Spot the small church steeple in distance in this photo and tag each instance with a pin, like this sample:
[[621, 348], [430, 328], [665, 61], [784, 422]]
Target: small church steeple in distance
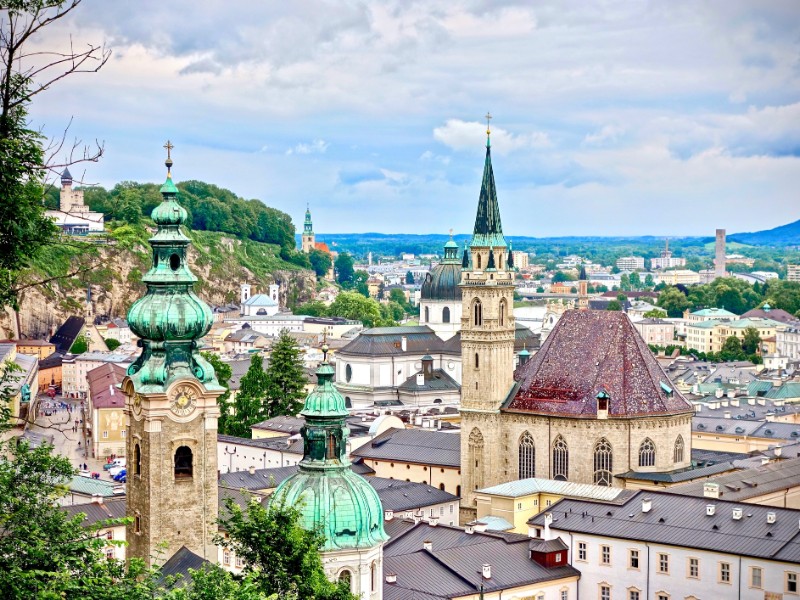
[[307, 243]]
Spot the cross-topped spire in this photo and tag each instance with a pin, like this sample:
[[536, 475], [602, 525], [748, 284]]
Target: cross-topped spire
[[488, 128], [168, 163]]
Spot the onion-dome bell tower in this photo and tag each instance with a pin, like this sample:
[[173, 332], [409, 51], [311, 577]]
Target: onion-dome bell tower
[[308, 239], [171, 403], [331, 497]]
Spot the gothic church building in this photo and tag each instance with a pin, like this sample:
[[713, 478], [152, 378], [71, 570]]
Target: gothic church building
[[592, 404]]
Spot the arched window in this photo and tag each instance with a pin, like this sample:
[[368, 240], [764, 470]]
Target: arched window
[[183, 462], [602, 462], [476, 456], [478, 260], [458, 491], [347, 577], [137, 460], [677, 454], [502, 310], [348, 373], [427, 314], [560, 459], [647, 453], [445, 315], [441, 487], [527, 456], [373, 577], [477, 312], [477, 363]]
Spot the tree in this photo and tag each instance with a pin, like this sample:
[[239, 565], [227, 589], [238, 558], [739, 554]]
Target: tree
[[344, 269], [673, 301], [320, 261], [359, 283], [80, 345], [561, 277], [614, 305], [29, 69], [784, 295], [352, 305], [224, 374], [751, 341], [280, 556], [112, 343], [409, 278], [540, 290], [625, 282], [212, 582], [249, 403], [391, 313], [649, 282], [286, 378], [731, 349], [635, 281], [312, 308], [655, 314]]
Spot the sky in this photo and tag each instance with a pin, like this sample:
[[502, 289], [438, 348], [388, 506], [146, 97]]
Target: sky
[[609, 117]]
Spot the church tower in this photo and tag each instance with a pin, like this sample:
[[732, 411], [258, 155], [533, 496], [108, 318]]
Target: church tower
[[487, 342], [332, 498], [583, 289], [307, 244], [171, 403]]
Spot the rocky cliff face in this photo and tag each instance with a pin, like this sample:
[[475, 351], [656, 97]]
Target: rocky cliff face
[[220, 263]]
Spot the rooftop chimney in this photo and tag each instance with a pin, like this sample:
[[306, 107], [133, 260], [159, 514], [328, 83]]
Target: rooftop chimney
[[97, 499], [778, 451], [710, 509], [771, 517], [727, 414], [404, 343], [251, 470], [420, 379], [391, 578], [548, 519], [647, 504], [388, 515], [737, 514], [433, 521], [487, 571], [711, 490], [427, 545]]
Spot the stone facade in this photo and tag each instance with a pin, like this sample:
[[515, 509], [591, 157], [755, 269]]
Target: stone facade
[[169, 504]]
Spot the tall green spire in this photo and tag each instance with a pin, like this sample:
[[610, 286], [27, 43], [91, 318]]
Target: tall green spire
[[169, 319], [488, 229], [328, 494], [307, 228]]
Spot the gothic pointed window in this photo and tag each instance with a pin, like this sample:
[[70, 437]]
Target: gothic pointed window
[[560, 459], [477, 360], [475, 446], [446, 315], [477, 312], [183, 462], [647, 453], [677, 455], [502, 311], [478, 260], [527, 456], [602, 462], [137, 460]]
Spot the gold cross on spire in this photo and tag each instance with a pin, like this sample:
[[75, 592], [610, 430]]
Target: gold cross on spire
[[168, 162], [451, 233], [488, 121]]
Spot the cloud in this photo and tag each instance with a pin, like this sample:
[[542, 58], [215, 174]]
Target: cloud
[[461, 135], [609, 133], [316, 147]]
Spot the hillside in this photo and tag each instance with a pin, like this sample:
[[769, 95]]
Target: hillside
[[113, 274], [784, 235]]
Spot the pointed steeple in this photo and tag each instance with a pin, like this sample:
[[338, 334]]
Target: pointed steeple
[[465, 257], [488, 229], [510, 261], [307, 228]]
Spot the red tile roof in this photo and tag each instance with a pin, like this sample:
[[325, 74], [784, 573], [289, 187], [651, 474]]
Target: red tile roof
[[103, 388], [589, 352], [322, 246]]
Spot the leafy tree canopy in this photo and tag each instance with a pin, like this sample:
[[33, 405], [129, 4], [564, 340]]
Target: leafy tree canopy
[[286, 378], [344, 268]]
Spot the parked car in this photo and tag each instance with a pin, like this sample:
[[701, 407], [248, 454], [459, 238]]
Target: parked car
[[120, 475], [117, 462], [123, 479], [114, 471]]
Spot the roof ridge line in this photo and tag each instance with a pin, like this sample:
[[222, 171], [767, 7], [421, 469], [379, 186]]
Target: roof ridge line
[[449, 568]]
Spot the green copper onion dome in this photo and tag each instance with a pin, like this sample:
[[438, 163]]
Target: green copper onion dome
[[328, 494], [169, 319]]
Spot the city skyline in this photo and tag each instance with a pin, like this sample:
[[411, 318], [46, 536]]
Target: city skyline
[[607, 118]]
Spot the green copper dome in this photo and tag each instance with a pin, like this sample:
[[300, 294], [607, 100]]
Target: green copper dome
[[169, 319], [441, 283], [325, 490]]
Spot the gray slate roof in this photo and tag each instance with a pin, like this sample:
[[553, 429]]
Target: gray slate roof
[[95, 512], [677, 520], [415, 446], [283, 443], [440, 381], [452, 568], [179, 565], [681, 475], [387, 341], [741, 485]]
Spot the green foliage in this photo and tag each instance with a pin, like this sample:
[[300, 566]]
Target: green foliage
[[625, 282], [614, 305], [561, 277], [80, 345], [352, 305], [344, 269], [280, 556], [655, 314], [112, 344], [212, 582], [409, 278], [751, 340], [672, 300], [729, 293], [635, 281], [314, 308], [359, 283], [649, 282], [731, 350], [224, 372], [248, 405], [286, 378], [784, 295], [320, 261]]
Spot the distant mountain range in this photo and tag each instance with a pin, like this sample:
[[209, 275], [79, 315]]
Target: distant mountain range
[[784, 235]]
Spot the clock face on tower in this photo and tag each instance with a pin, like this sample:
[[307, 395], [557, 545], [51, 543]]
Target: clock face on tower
[[183, 401]]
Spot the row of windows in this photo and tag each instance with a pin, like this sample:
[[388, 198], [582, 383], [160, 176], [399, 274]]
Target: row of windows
[[477, 313], [183, 467], [445, 314], [603, 456]]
